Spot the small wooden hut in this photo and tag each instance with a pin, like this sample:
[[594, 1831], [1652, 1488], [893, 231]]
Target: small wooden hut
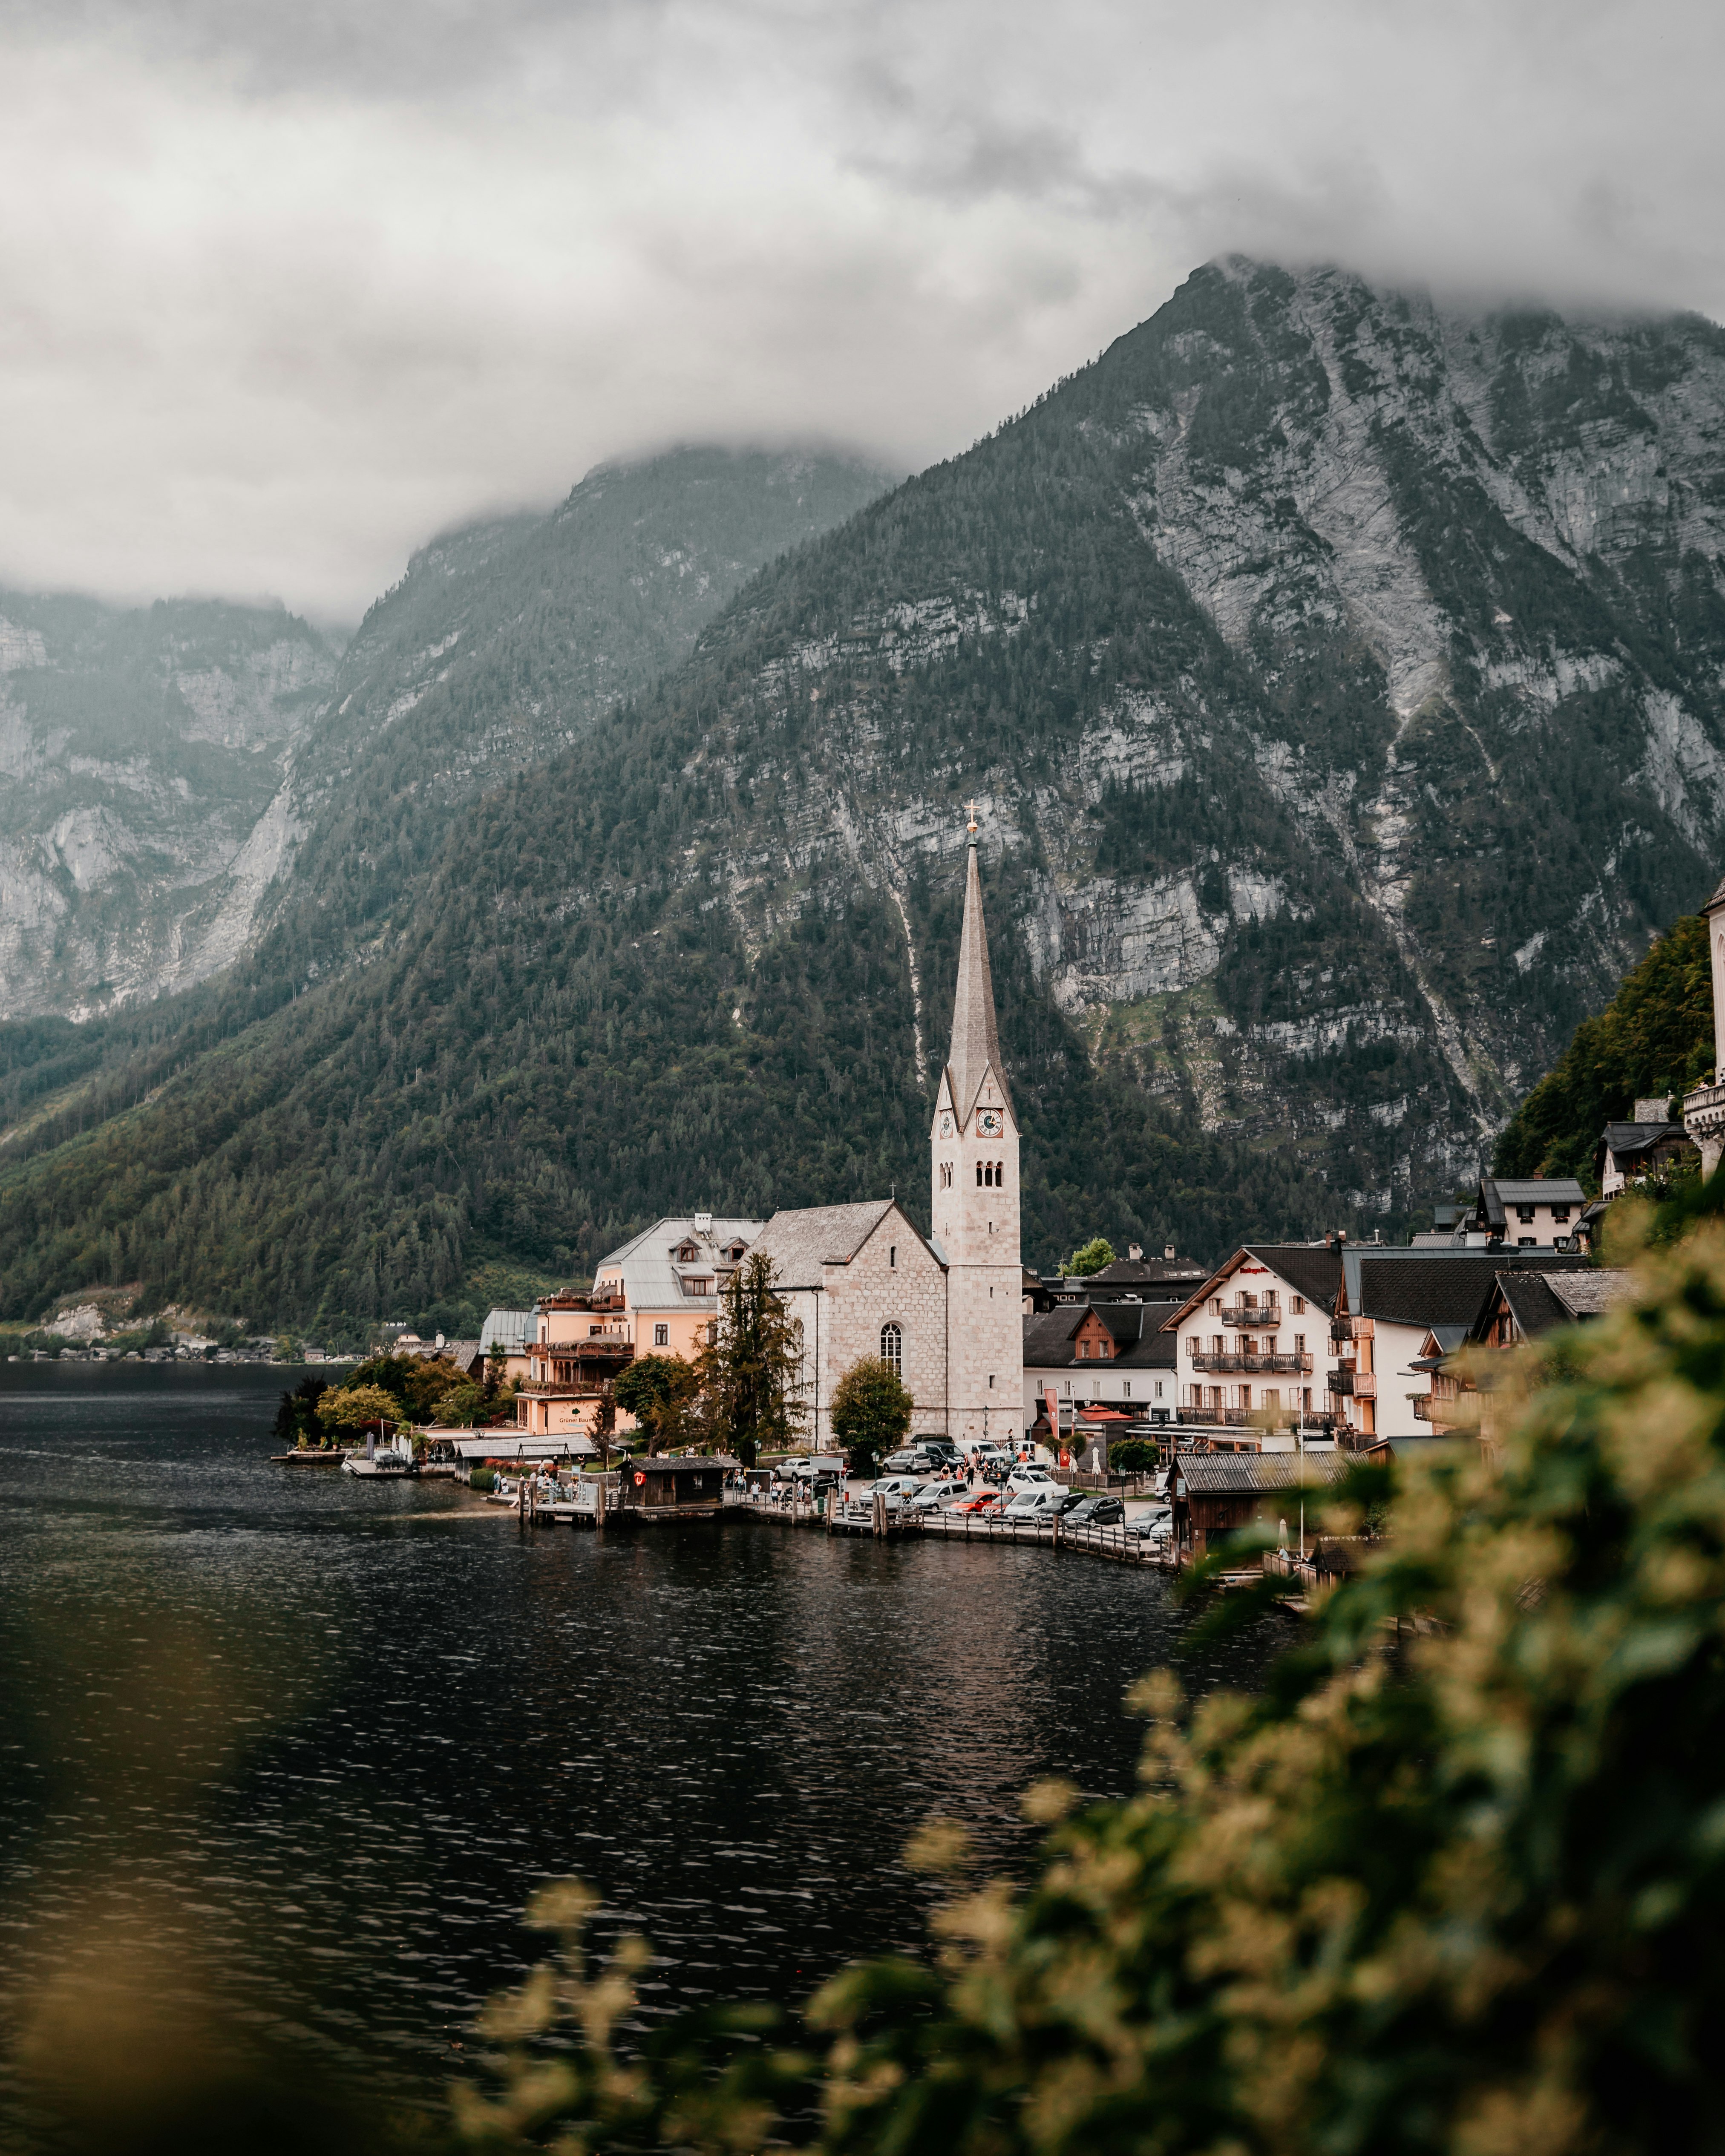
[[1213, 1494], [673, 1485]]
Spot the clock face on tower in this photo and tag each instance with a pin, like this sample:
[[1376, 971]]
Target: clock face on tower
[[946, 1126], [989, 1122]]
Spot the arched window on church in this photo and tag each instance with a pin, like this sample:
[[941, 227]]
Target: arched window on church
[[1000, 1175], [892, 1348], [978, 1175]]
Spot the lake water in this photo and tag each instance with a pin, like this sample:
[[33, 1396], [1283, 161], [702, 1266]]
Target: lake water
[[306, 1745]]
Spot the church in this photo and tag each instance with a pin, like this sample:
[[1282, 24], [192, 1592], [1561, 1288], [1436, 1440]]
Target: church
[[945, 1310]]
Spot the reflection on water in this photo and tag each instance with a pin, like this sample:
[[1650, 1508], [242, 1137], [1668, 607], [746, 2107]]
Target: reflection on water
[[306, 1745]]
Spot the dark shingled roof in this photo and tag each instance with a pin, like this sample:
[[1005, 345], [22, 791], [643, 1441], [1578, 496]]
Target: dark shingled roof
[[1627, 1139], [1235, 1474], [1532, 1304], [1135, 1328], [1150, 1272], [1313, 1270], [1445, 1289]]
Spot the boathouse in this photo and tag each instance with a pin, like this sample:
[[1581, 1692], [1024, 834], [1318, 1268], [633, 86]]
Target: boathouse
[[659, 1485], [1218, 1493]]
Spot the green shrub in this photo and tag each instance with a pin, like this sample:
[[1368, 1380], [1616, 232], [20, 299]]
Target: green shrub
[[483, 1478], [1133, 1455]]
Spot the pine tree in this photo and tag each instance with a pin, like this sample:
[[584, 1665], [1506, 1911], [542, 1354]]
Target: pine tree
[[749, 1371]]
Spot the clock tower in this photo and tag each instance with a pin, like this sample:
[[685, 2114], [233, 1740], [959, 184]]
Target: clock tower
[[974, 1159]]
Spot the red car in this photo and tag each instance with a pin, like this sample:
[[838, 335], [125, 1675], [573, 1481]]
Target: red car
[[985, 1500]]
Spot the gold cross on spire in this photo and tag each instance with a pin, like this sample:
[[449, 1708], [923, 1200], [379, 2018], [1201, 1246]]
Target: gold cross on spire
[[970, 811]]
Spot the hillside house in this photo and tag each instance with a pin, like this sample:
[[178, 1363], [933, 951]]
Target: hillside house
[[1651, 1145], [510, 1330], [1538, 1214]]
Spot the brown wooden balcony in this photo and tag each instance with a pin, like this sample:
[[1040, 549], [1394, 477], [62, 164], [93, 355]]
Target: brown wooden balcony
[[1265, 1316], [1343, 1329], [1353, 1384]]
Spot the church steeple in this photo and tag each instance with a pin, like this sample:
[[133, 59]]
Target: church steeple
[[976, 1040], [973, 1148]]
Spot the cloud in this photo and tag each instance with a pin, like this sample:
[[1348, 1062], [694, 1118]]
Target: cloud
[[289, 289]]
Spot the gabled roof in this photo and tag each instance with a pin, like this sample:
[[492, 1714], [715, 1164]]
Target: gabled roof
[[1627, 1139], [804, 1239], [1436, 1287], [1238, 1474], [512, 1328], [651, 1278], [1313, 1270], [1495, 1193], [1590, 1294], [1147, 1272], [1531, 1302], [1136, 1329], [975, 1039], [1539, 1300]]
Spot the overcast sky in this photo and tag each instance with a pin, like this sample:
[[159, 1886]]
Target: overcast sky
[[286, 288]]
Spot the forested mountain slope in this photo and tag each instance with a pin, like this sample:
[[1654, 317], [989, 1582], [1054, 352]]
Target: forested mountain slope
[[1340, 681], [143, 799], [504, 640], [1653, 1040]]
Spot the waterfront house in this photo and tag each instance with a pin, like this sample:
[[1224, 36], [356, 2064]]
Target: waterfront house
[[663, 1286], [1389, 1300], [580, 1345], [1114, 1355], [1215, 1494], [1255, 1348]]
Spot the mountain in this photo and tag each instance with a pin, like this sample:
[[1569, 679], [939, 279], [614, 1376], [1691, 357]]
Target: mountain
[[504, 640], [176, 774], [1339, 678], [144, 809]]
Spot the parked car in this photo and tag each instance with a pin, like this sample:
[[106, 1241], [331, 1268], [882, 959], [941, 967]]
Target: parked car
[[1026, 1478], [1154, 1525], [933, 1495], [1097, 1511], [813, 1468], [905, 1462], [1046, 1503], [939, 1452], [895, 1489], [984, 1500]]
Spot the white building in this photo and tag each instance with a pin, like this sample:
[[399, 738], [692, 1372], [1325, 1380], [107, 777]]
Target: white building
[[1254, 1340]]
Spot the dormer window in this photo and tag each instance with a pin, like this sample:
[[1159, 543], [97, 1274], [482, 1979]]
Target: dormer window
[[687, 1254]]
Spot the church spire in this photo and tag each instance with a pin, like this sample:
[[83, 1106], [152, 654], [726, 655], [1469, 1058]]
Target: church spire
[[976, 1042]]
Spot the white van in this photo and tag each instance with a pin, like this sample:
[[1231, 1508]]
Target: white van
[[986, 1451]]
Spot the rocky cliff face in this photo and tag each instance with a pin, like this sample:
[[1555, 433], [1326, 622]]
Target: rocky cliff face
[[171, 779], [1349, 681], [145, 808]]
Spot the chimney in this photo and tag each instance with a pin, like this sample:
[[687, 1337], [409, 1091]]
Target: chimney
[[1135, 1251], [1168, 1249], [703, 1225]]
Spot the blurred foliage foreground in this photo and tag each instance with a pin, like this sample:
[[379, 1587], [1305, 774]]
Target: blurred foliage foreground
[[1453, 1882]]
